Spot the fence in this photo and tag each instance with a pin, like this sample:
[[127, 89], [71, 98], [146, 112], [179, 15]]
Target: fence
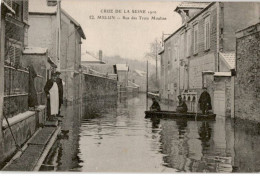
[[16, 88]]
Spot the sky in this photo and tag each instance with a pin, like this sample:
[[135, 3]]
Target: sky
[[127, 38]]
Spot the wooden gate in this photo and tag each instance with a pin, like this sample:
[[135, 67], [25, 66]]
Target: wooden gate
[[219, 103]]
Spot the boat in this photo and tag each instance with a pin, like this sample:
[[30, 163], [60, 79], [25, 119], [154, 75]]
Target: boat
[[183, 116]]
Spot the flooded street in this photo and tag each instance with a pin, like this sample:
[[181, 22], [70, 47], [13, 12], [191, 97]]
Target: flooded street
[[112, 135]]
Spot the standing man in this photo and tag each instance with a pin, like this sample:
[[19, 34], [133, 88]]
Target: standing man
[[205, 101], [52, 93], [60, 87]]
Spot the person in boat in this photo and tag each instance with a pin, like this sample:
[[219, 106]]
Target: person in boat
[[52, 93], [155, 106], [182, 107], [205, 101]]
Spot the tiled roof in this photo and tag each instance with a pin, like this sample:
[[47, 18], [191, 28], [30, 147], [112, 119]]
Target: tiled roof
[[193, 5], [229, 58]]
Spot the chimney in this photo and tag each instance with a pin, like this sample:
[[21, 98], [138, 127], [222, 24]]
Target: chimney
[[100, 55]]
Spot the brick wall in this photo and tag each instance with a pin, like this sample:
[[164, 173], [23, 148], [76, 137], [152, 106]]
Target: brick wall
[[247, 81]]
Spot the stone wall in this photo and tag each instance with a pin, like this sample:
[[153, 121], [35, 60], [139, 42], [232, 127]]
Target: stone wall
[[94, 87], [247, 80], [23, 127]]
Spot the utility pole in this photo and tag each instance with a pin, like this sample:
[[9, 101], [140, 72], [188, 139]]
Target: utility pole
[[59, 33], [156, 60], [147, 86]]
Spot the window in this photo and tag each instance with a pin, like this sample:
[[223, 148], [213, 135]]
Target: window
[[182, 47], [195, 38], [25, 10], [188, 48], [207, 33], [16, 6], [170, 56], [13, 53]]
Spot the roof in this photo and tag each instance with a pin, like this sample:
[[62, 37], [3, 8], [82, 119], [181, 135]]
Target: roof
[[161, 52], [222, 74], [40, 7], [130, 83], [122, 67], [229, 58], [80, 30], [87, 57], [35, 50], [192, 5], [195, 16], [102, 68], [140, 73]]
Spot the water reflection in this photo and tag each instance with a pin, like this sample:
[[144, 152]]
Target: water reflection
[[112, 135]]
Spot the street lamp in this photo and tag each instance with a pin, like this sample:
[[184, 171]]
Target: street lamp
[[58, 33]]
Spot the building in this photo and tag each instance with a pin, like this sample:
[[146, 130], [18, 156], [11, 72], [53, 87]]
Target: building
[[203, 46], [247, 80], [90, 59], [138, 77], [43, 23], [14, 78], [122, 73]]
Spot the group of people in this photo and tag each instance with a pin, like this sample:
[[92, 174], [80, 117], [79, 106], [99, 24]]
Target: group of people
[[54, 93], [204, 102]]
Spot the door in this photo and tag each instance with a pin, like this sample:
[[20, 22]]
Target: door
[[219, 103]]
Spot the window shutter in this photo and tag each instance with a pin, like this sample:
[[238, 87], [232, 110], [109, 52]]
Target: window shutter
[[9, 2], [25, 11], [11, 54], [17, 55]]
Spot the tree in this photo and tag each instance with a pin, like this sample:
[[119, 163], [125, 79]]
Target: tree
[[155, 48]]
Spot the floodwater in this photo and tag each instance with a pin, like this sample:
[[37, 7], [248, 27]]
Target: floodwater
[[112, 135]]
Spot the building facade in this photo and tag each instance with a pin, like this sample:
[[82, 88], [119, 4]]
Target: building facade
[[43, 23], [14, 77], [201, 47]]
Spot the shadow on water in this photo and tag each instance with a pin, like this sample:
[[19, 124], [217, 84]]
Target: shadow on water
[[112, 135]]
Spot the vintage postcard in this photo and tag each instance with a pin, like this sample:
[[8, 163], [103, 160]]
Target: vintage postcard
[[129, 86]]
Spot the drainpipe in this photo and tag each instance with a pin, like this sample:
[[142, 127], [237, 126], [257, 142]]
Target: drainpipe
[[218, 36]]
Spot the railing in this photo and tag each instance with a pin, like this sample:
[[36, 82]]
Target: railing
[[16, 86]]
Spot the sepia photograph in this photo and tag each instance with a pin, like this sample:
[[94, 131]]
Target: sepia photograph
[[129, 86]]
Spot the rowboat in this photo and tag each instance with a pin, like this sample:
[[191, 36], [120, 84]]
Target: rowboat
[[183, 116]]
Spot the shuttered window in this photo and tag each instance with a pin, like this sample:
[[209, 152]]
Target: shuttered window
[[188, 48], [9, 2], [182, 47], [25, 11], [207, 33], [14, 54], [195, 38]]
